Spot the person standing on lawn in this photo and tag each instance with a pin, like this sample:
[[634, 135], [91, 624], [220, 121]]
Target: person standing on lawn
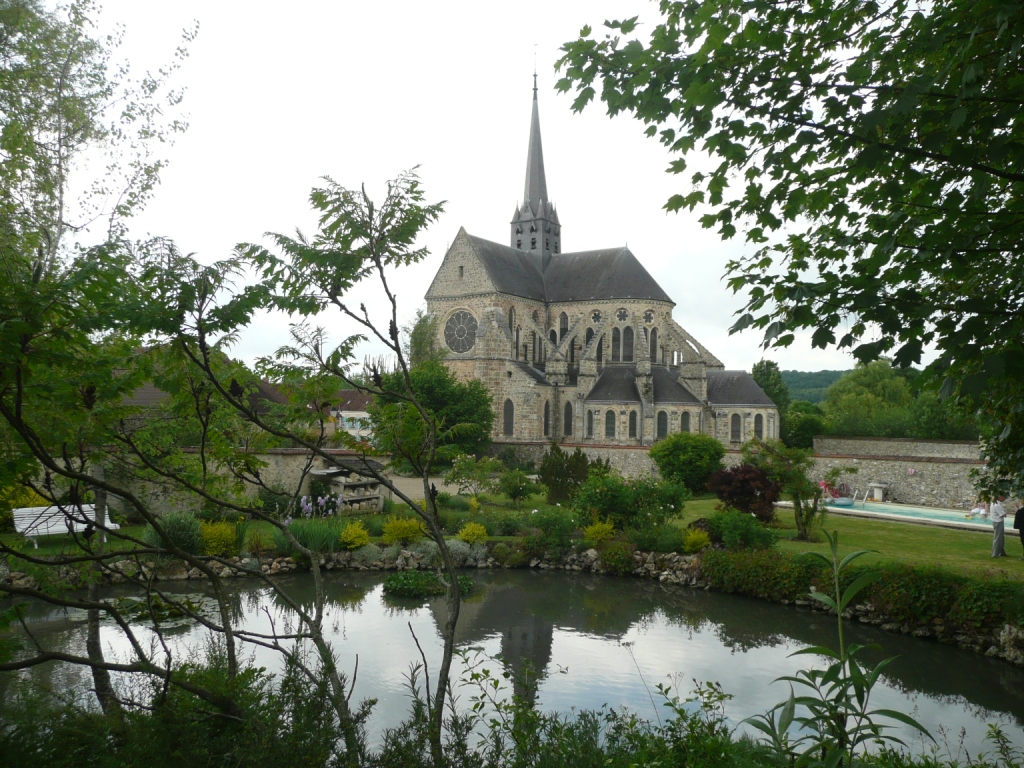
[[1018, 522], [997, 514]]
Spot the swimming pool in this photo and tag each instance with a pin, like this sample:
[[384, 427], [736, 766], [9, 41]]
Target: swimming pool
[[909, 513]]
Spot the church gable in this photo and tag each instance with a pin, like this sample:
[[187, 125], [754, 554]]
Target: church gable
[[462, 273]]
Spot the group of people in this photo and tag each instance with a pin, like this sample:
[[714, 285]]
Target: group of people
[[996, 513]]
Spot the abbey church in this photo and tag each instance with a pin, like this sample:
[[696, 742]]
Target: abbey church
[[581, 347]]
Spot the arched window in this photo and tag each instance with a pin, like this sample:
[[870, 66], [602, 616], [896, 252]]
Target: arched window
[[567, 420], [590, 423], [533, 345], [627, 345], [632, 423], [563, 325], [572, 351], [662, 424], [684, 423], [511, 318], [517, 343], [547, 418], [654, 345], [589, 337], [509, 417], [600, 350], [736, 433], [616, 342], [554, 337], [759, 427], [609, 424]]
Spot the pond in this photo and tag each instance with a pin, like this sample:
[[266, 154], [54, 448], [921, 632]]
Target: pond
[[596, 640]]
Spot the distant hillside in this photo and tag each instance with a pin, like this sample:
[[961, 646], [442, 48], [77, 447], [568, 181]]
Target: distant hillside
[[810, 385]]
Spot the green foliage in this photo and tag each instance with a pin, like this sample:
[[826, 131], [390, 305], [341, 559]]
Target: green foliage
[[802, 427], [555, 526], [689, 458], [635, 503], [768, 376], [739, 530], [402, 530], [472, 533], [563, 473], [657, 538], [510, 460], [616, 557], [501, 553], [765, 573], [219, 539], [16, 496], [599, 531], [316, 534], [420, 343], [420, 584], [473, 476], [354, 535], [462, 412], [897, 198], [387, 507], [457, 503], [183, 530], [695, 540], [516, 485], [809, 386], [747, 489]]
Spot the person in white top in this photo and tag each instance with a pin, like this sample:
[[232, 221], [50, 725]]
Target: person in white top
[[997, 514]]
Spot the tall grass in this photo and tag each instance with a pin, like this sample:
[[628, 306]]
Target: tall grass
[[317, 534]]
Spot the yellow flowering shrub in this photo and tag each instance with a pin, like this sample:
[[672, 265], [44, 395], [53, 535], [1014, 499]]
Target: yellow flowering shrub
[[599, 531], [695, 540], [402, 530], [218, 539]]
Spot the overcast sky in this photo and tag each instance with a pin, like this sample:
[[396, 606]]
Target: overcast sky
[[281, 94]]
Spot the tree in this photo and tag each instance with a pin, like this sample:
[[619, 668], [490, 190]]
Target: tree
[[517, 485], [473, 476], [769, 378], [870, 153], [462, 412], [688, 458], [746, 489], [805, 420], [563, 473], [421, 339]]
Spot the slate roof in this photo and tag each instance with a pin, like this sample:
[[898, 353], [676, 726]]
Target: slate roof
[[616, 384], [609, 273], [534, 374], [353, 400], [735, 388], [668, 390]]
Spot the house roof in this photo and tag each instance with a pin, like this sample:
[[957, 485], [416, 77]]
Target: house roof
[[735, 388], [353, 400], [668, 390], [608, 273]]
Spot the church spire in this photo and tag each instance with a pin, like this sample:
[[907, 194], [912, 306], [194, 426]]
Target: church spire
[[535, 226], [536, 191]]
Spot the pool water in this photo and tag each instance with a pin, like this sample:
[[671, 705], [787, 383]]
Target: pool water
[[934, 514]]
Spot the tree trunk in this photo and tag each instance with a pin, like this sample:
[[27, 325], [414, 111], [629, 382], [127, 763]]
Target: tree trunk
[[108, 700]]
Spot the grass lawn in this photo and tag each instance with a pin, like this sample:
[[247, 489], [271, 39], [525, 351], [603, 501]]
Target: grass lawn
[[963, 552]]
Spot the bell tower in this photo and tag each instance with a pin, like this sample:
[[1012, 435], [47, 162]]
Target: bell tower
[[535, 227]]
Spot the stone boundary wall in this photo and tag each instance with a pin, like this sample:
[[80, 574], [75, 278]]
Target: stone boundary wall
[[890, 447], [919, 472]]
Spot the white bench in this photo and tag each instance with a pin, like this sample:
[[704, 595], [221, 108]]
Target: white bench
[[33, 522]]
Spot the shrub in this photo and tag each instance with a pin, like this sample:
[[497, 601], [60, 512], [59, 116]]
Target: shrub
[[472, 476], [517, 485], [354, 535], [387, 506], [508, 524], [430, 551], [473, 533], [457, 503], [597, 532], [273, 502], [374, 525], [474, 505], [695, 540], [629, 504], [739, 531], [420, 584], [367, 555], [182, 528], [501, 552], [219, 539], [617, 557], [747, 489], [689, 458], [761, 573], [404, 530], [658, 538], [510, 460], [15, 497], [517, 558], [563, 473]]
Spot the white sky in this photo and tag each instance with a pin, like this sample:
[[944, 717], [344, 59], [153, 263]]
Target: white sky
[[281, 94]]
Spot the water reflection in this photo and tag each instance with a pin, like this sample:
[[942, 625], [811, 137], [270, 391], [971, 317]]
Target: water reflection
[[577, 623]]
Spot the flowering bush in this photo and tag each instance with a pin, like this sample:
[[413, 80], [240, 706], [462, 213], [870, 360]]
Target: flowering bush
[[473, 533], [402, 530], [640, 502], [219, 539], [695, 540], [354, 535], [319, 506]]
